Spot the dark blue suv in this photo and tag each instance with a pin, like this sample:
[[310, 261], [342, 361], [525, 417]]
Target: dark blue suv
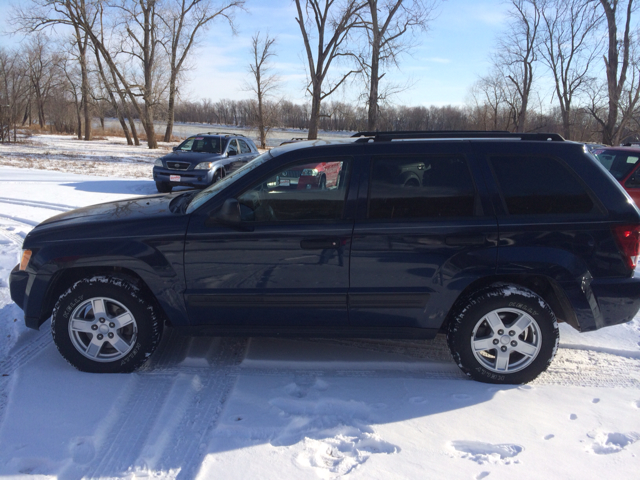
[[489, 237], [202, 160]]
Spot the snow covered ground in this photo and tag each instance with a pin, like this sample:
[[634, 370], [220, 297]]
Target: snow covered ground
[[238, 408]]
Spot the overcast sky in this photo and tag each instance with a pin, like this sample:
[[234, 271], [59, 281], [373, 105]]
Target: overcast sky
[[440, 70]]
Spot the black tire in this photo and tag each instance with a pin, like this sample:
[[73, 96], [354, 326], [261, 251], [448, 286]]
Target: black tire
[[486, 339], [412, 182], [122, 303], [164, 187], [216, 177]]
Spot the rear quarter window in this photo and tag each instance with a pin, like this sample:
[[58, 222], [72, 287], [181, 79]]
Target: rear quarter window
[[538, 185]]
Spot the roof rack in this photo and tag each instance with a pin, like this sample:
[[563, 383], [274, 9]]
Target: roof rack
[[293, 140], [226, 134], [388, 136]]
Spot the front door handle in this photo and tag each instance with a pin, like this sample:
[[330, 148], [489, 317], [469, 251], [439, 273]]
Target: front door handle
[[319, 243], [465, 240]]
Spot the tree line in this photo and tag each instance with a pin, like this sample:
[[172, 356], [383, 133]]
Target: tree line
[[129, 58]]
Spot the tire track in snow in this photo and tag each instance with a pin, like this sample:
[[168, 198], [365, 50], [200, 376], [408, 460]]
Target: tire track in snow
[[21, 222], [34, 203], [12, 237], [167, 418], [17, 358]]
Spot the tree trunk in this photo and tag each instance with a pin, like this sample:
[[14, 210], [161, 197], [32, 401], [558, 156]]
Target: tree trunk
[[79, 119], [372, 118], [171, 112], [85, 94], [315, 114]]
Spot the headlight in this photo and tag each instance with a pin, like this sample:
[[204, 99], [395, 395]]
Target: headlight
[[158, 163], [26, 256], [309, 172], [204, 166]]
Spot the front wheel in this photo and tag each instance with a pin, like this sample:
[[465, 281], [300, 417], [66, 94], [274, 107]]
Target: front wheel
[[104, 324], [503, 334]]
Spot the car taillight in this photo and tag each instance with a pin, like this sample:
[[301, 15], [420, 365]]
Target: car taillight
[[628, 238]]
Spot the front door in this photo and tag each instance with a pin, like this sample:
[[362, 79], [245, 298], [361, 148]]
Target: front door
[[287, 265]]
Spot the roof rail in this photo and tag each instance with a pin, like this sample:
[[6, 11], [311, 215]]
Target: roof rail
[[227, 134], [388, 136]]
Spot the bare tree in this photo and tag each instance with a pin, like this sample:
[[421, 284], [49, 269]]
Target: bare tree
[[568, 47], [332, 21], [43, 73], [386, 23], [40, 14], [616, 69], [490, 95], [264, 83], [185, 20], [517, 55], [14, 90]]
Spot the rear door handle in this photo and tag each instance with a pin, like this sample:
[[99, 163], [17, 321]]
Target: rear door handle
[[319, 243], [465, 240]]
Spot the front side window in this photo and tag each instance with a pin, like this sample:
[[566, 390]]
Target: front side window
[[232, 149], [619, 164], [425, 186], [539, 185], [305, 190]]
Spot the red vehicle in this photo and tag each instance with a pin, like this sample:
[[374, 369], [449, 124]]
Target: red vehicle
[[320, 175], [624, 165]]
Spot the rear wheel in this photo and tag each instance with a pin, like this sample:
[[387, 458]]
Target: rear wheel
[[164, 187], [104, 324], [504, 334]]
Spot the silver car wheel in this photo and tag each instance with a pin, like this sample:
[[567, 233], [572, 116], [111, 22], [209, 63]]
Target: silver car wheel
[[506, 340], [102, 329]]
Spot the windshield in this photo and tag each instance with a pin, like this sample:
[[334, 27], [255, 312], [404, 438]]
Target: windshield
[[618, 163], [212, 191], [201, 145]]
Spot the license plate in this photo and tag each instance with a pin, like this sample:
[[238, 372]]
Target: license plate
[[285, 183], [174, 178]]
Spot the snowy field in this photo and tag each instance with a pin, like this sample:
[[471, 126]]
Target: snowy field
[[245, 408]]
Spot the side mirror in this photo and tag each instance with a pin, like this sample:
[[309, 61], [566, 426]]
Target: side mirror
[[229, 214], [231, 153], [175, 148]]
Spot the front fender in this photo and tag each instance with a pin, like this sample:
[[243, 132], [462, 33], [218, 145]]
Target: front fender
[[157, 262]]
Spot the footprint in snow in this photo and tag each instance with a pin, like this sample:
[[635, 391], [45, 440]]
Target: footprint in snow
[[549, 437], [461, 396], [483, 453], [595, 400], [302, 384], [637, 404], [573, 416], [418, 400], [482, 475], [607, 443], [82, 450]]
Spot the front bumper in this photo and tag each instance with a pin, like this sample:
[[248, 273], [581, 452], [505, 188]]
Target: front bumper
[[190, 178], [18, 285]]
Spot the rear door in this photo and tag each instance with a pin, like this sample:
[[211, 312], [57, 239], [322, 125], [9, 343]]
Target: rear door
[[424, 230]]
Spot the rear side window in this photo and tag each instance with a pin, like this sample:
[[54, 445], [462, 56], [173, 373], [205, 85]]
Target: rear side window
[[244, 148], [421, 187], [533, 185]]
